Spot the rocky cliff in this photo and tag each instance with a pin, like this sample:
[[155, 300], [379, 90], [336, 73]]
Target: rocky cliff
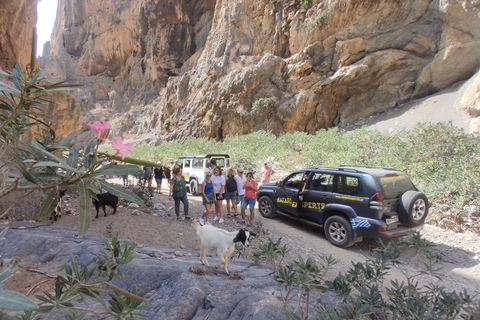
[[172, 69], [17, 20]]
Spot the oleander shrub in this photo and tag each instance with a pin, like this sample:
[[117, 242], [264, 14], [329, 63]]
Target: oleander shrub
[[368, 290]]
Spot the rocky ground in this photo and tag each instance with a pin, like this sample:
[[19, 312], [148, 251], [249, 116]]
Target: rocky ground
[[158, 227]]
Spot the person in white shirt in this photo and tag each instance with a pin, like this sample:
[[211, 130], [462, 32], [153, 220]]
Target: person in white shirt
[[219, 189], [240, 178]]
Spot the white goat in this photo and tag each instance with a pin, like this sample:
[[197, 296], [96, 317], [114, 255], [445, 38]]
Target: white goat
[[222, 240]]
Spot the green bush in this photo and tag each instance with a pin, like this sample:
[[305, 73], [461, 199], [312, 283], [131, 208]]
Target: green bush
[[367, 290], [261, 104], [306, 4], [166, 124]]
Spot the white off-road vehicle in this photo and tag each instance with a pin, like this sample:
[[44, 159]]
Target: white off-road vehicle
[[195, 166]]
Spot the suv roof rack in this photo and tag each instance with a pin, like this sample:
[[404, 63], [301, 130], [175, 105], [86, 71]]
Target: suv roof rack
[[367, 167], [209, 155]]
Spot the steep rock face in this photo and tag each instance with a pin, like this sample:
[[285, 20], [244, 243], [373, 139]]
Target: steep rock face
[[225, 68], [127, 47], [17, 20]]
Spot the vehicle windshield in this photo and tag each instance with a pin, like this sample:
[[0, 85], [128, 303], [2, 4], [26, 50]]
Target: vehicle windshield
[[394, 186]]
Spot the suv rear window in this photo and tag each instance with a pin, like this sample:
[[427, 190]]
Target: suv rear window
[[395, 185]]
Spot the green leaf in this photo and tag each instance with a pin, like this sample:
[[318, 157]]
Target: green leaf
[[35, 146], [84, 204], [5, 106], [61, 86], [8, 270], [24, 172], [91, 147], [12, 300], [121, 192], [73, 157], [50, 204], [118, 170], [17, 76], [49, 177], [2, 233], [55, 165]]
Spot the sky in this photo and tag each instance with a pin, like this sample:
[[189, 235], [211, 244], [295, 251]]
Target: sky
[[46, 12]]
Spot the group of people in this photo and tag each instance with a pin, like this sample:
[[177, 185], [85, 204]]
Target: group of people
[[236, 189]]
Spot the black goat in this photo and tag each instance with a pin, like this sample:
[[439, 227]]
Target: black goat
[[57, 212], [105, 199]]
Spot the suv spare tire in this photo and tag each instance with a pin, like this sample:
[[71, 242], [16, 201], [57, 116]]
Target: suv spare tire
[[413, 208], [266, 207]]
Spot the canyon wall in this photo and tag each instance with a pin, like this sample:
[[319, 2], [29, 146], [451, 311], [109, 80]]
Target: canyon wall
[[17, 20], [174, 69]]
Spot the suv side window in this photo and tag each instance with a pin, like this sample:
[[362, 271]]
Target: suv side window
[[186, 163], [220, 162], [348, 185], [198, 163], [321, 182], [296, 181]]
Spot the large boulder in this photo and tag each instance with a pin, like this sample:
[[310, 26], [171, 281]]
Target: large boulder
[[176, 285]]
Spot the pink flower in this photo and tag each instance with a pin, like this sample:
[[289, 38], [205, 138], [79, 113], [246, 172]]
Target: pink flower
[[99, 127], [123, 149]]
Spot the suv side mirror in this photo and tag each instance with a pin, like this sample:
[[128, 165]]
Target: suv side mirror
[[278, 183]]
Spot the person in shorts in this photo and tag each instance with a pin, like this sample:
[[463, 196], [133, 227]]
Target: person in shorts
[[251, 187], [240, 178], [219, 189], [231, 192], [208, 197]]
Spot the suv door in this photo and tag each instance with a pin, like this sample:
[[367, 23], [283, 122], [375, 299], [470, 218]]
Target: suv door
[[287, 194], [186, 169], [221, 162], [317, 194]]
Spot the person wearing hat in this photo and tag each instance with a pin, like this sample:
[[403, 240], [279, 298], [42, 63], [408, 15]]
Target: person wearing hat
[[266, 173]]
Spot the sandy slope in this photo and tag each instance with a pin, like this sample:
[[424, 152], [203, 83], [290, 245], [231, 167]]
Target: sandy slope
[[443, 106]]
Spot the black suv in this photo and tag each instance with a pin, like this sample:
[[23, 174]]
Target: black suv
[[349, 202]]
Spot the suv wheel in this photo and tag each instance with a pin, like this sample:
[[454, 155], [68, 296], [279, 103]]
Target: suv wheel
[[413, 208], [266, 207], [339, 232], [193, 187]]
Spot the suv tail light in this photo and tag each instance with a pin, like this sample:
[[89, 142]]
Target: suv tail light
[[376, 202]]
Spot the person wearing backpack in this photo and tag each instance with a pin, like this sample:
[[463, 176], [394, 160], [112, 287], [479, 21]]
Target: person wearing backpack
[[231, 191]]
